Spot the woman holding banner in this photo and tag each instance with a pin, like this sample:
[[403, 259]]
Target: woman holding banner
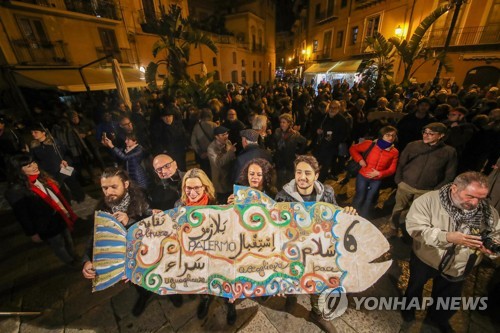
[[198, 190]]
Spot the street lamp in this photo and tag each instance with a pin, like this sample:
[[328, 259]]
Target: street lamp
[[399, 31]]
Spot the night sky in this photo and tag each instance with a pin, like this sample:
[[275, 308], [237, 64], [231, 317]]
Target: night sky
[[284, 14]]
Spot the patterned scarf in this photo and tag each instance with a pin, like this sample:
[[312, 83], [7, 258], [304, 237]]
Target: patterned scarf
[[469, 222], [122, 206]]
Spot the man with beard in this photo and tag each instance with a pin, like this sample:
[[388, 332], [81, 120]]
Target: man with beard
[[128, 205], [448, 226], [305, 188]]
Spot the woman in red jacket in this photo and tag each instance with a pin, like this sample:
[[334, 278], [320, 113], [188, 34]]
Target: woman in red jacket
[[380, 163]]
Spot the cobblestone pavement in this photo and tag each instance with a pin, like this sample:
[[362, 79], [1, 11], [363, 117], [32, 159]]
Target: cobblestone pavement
[[32, 279]]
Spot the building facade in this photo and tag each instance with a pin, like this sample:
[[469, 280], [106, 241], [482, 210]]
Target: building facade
[[336, 31], [68, 45]]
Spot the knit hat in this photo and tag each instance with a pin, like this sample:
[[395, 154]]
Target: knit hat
[[437, 127], [250, 135]]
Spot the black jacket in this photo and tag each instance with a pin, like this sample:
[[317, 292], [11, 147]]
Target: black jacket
[[34, 214]]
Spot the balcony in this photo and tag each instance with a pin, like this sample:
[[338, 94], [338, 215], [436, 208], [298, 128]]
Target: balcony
[[325, 17], [362, 4], [124, 56], [101, 8], [467, 36], [148, 20], [40, 53]]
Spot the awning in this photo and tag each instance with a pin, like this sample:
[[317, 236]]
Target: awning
[[71, 80], [321, 67], [481, 56], [345, 66]]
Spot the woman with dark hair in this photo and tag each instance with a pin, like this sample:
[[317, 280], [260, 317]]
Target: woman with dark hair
[[131, 156], [379, 163], [258, 174], [38, 204]]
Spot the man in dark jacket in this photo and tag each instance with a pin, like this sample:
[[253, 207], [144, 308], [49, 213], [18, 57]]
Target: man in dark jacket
[[410, 126], [333, 131], [251, 150], [169, 137], [167, 189], [424, 165]]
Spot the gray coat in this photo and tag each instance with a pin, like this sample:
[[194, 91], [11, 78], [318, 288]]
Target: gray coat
[[221, 165]]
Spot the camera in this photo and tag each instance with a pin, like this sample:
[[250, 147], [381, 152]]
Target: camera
[[489, 242]]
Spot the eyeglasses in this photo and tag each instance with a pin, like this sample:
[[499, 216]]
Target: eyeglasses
[[429, 133], [197, 189], [165, 166]]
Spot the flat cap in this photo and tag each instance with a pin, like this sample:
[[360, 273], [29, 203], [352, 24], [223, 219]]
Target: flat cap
[[250, 135], [437, 127], [220, 130]]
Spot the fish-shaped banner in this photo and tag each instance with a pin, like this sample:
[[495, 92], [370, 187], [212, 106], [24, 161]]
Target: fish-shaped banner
[[255, 247]]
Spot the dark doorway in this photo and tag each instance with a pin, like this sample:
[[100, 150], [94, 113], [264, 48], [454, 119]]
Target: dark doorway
[[482, 76]]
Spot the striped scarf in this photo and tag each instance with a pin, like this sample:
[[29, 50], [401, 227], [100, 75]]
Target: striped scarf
[[470, 222]]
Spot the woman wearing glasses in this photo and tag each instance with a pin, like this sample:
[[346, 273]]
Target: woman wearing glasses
[[378, 159], [198, 190]]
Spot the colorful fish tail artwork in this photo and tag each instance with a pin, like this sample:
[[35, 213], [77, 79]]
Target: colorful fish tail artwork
[[255, 247]]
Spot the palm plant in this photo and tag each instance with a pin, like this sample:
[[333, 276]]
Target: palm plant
[[411, 50], [176, 38], [383, 60]]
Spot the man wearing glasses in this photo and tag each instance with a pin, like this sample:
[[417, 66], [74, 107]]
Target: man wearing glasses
[[167, 188], [127, 127], [424, 165]]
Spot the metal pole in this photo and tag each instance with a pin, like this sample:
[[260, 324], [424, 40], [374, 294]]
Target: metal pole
[[458, 4], [84, 80]]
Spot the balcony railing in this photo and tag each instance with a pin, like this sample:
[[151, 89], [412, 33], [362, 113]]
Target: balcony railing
[[325, 17], [37, 52], [466, 36], [361, 4], [123, 56], [97, 8]]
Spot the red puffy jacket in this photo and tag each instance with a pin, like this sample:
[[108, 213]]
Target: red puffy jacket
[[382, 160]]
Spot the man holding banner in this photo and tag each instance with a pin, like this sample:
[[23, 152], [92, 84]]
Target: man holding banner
[[128, 205], [306, 187]]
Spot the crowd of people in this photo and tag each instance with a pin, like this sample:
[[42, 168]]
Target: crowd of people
[[282, 139]]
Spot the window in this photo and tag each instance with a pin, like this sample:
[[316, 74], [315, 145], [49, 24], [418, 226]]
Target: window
[[109, 43], [317, 12], [343, 3], [235, 61], [340, 38], [354, 35], [372, 25], [214, 61], [243, 63], [33, 31], [329, 8], [234, 76], [254, 77], [260, 76], [243, 76], [217, 76], [315, 45], [327, 42]]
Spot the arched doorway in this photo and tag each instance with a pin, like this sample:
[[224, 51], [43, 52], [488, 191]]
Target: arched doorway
[[482, 76]]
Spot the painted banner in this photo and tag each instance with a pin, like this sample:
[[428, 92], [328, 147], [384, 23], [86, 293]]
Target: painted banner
[[255, 247]]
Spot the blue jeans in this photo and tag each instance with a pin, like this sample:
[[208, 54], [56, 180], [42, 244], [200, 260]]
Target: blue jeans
[[366, 190]]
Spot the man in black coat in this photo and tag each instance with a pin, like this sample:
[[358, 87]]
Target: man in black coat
[[333, 130], [251, 150]]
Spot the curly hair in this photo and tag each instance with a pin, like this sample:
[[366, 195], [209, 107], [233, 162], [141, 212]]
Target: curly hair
[[268, 175], [207, 183]]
